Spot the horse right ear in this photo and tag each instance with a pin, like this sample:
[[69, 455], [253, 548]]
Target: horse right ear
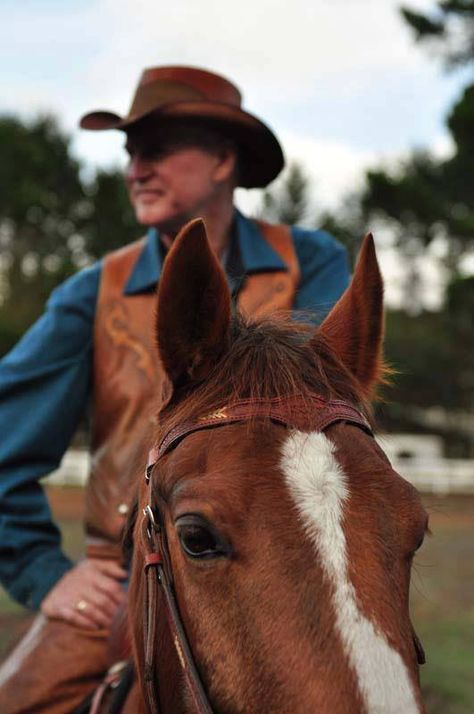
[[194, 308], [354, 327]]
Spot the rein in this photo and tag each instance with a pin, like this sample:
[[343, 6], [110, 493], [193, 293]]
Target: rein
[[314, 414]]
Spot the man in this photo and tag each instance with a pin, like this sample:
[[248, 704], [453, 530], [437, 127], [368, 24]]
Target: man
[[190, 144]]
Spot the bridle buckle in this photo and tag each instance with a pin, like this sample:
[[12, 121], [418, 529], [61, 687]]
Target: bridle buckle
[[152, 524]]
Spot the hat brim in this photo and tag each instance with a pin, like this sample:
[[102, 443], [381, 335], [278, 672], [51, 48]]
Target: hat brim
[[260, 153]]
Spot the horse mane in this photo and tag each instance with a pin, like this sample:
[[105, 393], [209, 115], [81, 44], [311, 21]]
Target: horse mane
[[269, 357]]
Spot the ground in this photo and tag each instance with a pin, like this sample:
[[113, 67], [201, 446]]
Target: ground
[[442, 596]]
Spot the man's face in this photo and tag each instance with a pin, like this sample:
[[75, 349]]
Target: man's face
[[171, 178]]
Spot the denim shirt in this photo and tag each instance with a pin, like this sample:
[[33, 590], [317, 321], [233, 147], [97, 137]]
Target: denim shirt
[[46, 383]]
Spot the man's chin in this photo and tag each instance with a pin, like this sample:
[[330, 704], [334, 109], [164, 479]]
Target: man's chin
[[165, 223]]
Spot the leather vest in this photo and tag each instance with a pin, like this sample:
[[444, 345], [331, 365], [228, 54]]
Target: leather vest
[[127, 379]]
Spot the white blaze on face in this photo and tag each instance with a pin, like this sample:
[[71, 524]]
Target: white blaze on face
[[318, 487]]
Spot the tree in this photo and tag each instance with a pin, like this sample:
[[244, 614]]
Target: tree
[[51, 221], [427, 192], [111, 221], [449, 29], [288, 201], [427, 198], [432, 356], [40, 201], [347, 223]]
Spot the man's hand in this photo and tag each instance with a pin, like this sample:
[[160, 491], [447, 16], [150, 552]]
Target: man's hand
[[89, 595]]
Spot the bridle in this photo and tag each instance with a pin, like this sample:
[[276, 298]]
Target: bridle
[[310, 415]]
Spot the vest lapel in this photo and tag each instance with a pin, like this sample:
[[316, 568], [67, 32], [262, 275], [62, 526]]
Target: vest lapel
[[264, 293]]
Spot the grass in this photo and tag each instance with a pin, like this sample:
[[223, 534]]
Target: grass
[[443, 606], [442, 597], [448, 676]]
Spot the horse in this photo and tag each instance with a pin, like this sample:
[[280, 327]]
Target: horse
[[274, 541]]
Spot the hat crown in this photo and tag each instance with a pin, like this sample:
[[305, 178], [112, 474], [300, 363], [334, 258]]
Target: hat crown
[[189, 83]]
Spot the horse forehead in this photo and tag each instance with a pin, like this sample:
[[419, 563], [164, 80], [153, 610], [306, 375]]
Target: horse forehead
[[226, 452], [368, 470], [348, 467]]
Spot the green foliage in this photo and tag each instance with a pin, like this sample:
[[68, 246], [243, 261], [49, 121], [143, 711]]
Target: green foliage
[[422, 25], [428, 198], [347, 224], [411, 344], [111, 222], [424, 200], [51, 221], [37, 174], [449, 29], [432, 356], [288, 202]]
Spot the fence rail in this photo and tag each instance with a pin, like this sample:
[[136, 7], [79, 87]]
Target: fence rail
[[440, 476], [431, 475]]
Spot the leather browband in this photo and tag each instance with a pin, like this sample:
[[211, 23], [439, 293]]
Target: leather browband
[[309, 414]]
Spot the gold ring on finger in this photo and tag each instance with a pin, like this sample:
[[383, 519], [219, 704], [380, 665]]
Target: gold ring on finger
[[81, 605]]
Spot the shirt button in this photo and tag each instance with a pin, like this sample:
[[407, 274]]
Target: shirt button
[[122, 508]]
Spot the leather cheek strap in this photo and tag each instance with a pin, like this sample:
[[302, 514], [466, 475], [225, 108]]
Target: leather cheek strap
[[158, 574]]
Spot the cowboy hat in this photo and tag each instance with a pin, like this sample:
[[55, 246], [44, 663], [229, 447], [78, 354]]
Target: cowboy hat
[[191, 93]]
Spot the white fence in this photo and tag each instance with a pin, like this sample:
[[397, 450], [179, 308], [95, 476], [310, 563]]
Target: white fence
[[418, 458], [429, 473], [73, 471], [440, 476]]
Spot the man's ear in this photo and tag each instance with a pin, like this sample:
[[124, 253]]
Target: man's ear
[[354, 327], [194, 308], [227, 166]]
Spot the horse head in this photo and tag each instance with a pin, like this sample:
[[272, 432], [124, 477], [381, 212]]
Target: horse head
[[290, 540]]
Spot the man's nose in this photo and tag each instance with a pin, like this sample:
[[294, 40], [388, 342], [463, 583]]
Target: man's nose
[[138, 169]]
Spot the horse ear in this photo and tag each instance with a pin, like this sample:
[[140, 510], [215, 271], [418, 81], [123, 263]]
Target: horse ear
[[194, 307], [354, 327]]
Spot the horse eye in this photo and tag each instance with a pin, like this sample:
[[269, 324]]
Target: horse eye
[[199, 540], [420, 543], [422, 535]]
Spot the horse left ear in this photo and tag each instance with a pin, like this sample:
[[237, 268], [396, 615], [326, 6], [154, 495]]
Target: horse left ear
[[194, 307], [354, 327]]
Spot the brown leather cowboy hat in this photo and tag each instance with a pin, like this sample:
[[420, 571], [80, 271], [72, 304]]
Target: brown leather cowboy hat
[[188, 92]]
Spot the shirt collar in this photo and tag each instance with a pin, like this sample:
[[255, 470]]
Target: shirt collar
[[147, 270], [256, 256]]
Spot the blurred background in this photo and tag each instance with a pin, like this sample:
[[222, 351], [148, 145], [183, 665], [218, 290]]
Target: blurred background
[[374, 105]]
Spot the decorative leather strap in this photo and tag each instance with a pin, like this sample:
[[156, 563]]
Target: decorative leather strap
[[314, 414]]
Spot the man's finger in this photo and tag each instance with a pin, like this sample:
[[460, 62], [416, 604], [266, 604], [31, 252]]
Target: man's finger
[[111, 589], [112, 569], [104, 601], [80, 619]]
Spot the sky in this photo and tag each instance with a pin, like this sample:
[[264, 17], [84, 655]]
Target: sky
[[340, 81]]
